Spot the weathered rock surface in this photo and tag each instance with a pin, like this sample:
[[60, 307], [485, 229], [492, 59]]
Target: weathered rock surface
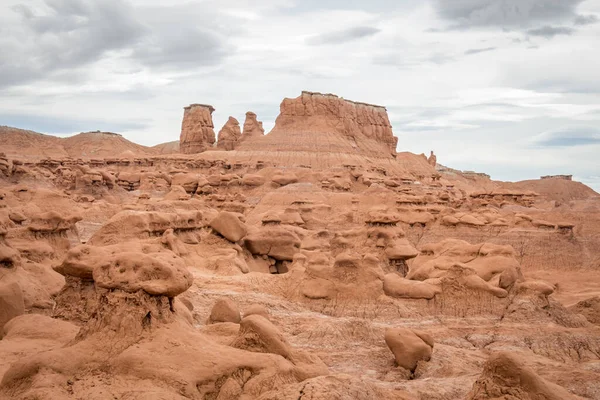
[[229, 135], [252, 126], [197, 129], [505, 377], [229, 225], [316, 122], [409, 346]]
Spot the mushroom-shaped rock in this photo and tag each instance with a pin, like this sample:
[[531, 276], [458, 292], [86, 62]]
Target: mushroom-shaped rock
[[401, 249], [52, 222], [159, 274], [229, 226], [396, 286], [224, 310], [409, 346], [81, 260], [382, 217], [11, 302], [271, 218], [506, 377], [273, 241], [259, 335]]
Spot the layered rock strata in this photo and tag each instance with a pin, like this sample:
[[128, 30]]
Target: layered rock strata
[[326, 123], [197, 129]]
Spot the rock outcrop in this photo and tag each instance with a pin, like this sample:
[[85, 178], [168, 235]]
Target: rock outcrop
[[229, 134], [252, 126], [409, 346], [326, 123], [197, 129]]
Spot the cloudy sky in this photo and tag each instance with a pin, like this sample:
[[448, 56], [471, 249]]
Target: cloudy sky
[[507, 87]]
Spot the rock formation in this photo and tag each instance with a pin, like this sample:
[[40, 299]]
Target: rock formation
[[315, 122], [506, 377], [252, 127], [432, 160], [229, 135], [197, 129], [308, 263]]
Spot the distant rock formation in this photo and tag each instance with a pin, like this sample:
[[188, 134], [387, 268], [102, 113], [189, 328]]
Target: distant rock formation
[[563, 177], [197, 129], [229, 135], [326, 123], [432, 160], [252, 127]]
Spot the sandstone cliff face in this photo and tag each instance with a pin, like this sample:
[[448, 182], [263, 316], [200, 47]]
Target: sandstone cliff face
[[197, 129], [252, 127], [326, 123], [229, 135]]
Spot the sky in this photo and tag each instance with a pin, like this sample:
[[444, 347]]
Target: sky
[[506, 87]]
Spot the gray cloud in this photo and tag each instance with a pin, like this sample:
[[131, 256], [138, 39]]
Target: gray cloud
[[180, 48], [342, 36], [549, 32], [183, 36], [586, 19], [505, 13], [70, 33], [567, 137], [67, 35], [476, 51]]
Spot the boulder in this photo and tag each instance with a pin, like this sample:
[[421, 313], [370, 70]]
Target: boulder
[[258, 334], [188, 181], [273, 241], [409, 346], [396, 286], [229, 226], [224, 310]]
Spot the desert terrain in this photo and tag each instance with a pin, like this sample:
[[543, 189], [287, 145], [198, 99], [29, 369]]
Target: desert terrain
[[315, 261]]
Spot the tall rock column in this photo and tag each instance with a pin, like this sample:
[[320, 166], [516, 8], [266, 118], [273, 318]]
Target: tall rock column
[[252, 126], [197, 129]]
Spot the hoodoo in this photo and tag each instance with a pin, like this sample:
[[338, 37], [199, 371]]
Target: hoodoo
[[197, 129], [229, 135], [252, 126], [326, 123]]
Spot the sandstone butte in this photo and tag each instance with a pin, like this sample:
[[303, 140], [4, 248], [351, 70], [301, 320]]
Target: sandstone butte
[[312, 262]]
